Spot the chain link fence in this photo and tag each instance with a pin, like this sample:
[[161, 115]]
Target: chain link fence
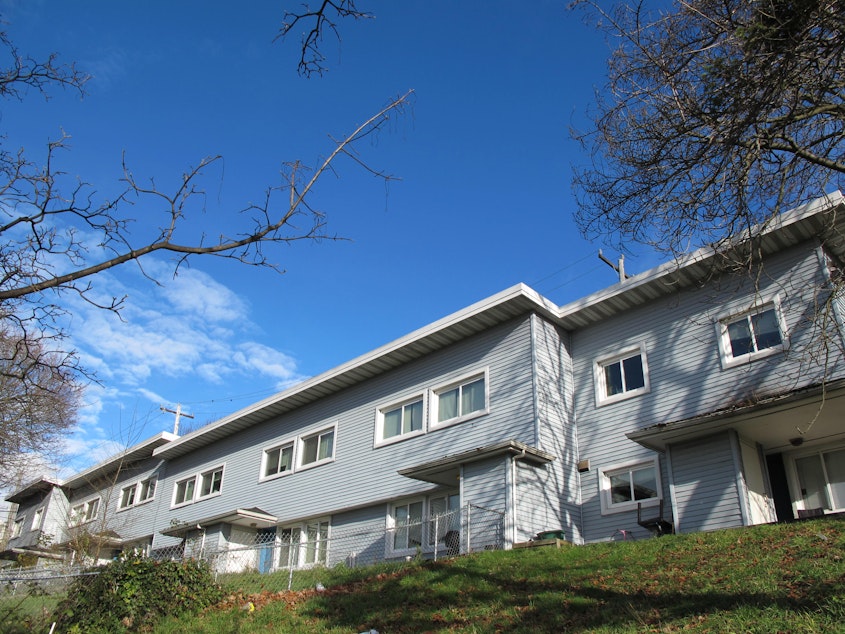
[[278, 560]]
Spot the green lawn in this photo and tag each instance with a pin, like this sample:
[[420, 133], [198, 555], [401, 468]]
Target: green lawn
[[784, 578]]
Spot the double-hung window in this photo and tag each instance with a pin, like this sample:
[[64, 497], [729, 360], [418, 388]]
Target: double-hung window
[[457, 401], [277, 460], [621, 376], [624, 487], [317, 448], [85, 512], [751, 335], [211, 482], [137, 493], [404, 419]]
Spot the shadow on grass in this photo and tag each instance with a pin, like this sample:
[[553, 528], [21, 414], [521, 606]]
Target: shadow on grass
[[439, 596]]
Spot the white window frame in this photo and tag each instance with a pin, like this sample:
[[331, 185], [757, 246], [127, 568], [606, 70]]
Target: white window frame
[[85, 512], [380, 440], [602, 397], [188, 500], [319, 461], [262, 475], [136, 490], [459, 382], [725, 351], [37, 519], [203, 477], [17, 527], [608, 507], [794, 481], [426, 522], [321, 546]]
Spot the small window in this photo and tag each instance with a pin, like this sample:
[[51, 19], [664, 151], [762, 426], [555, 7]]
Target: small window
[[407, 522], [36, 519], [400, 420], [211, 482], [127, 497], [461, 400], [318, 447], [184, 492], [84, 512], [622, 376], [17, 528], [752, 335], [277, 460], [624, 487], [147, 489]]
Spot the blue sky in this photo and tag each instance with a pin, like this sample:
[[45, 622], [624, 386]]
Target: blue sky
[[484, 201]]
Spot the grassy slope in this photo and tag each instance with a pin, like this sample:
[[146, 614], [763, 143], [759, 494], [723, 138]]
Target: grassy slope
[[784, 578]]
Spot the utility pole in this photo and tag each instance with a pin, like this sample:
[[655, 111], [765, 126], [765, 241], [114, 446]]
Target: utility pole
[[179, 413]]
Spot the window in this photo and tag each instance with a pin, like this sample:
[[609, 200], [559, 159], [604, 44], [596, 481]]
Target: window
[[184, 492], [304, 545], [277, 460], [137, 493], [85, 512], [444, 516], [421, 523], [622, 376], [17, 528], [624, 487], [211, 482], [752, 335], [400, 420], [461, 400], [821, 480], [407, 525], [36, 519], [318, 447]]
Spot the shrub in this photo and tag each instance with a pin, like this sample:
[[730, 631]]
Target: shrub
[[131, 593]]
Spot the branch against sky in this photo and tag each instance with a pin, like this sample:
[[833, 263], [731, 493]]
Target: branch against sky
[[323, 19], [717, 115]]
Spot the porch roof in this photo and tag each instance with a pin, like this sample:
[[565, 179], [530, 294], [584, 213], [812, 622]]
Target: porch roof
[[446, 470], [783, 421], [254, 517]]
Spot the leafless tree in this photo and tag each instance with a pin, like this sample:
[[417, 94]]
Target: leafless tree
[[718, 114], [317, 22], [56, 235]]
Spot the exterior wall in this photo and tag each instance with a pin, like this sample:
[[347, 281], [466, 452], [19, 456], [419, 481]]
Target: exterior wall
[[547, 497], [361, 472], [704, 480], [54, 503], [141, 519], [484, 484], [679, 336]]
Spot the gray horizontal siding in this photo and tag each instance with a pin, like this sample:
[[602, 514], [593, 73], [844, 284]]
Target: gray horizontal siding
[[685, 372], [362, 474], [704, 474]]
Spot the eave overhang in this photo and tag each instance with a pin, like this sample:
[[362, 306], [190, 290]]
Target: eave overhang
[[253, 518], [39, 485], [446, 470], [787, 414]]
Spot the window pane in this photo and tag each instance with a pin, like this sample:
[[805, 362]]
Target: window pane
[[413, 417], [447, 405], [272, 461], [128, 497], [645, 484], [811, 481], [740, 336], [415, 529], [472, 397], [634, 378], [766, 331], [393, 423], [286, 459], [620, 487], [613, 379], [326, 445], [834, 462], [309, 450]]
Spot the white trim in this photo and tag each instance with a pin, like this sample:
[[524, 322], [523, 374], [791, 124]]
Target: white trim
[[792, 476], [137, 486], [607, 506], [262, 477], [37, 518], [379, 440], [759, 306], [197, 478], [601, 363], [299, 455], [74, 522], [200, 479], [463, 379]]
